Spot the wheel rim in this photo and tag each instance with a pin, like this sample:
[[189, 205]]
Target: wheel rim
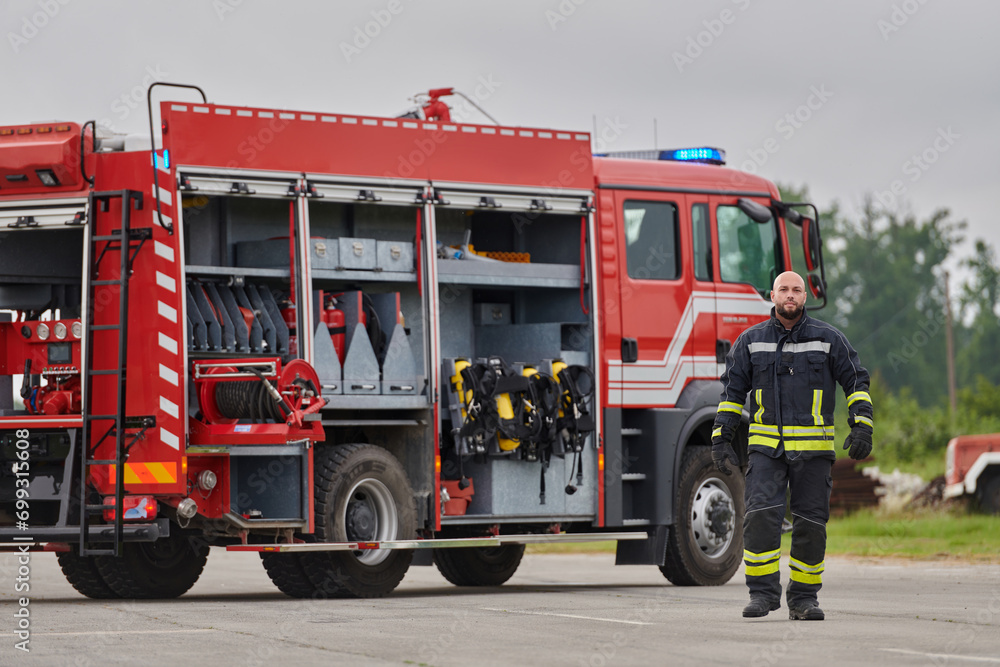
[[370, 516], [713, 518]]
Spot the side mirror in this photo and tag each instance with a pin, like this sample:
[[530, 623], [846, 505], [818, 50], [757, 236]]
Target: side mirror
[[810, 243], [816, 286], [754, 211]]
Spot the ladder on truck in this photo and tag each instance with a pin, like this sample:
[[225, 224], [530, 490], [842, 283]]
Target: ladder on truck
[[113, 425]]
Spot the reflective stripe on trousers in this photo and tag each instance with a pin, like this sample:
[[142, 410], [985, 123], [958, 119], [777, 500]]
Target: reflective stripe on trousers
[[810, 483]]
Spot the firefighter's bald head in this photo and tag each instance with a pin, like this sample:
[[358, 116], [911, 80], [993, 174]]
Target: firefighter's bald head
[[789, 297], [789, 277]]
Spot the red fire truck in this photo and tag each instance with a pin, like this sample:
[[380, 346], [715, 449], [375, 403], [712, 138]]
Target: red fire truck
[[352, 344]]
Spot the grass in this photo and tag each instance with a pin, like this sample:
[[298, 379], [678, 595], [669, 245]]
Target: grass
[[924, 535], [940, 534], [572, 548]]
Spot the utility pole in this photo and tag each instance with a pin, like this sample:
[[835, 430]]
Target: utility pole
[[949, 342]]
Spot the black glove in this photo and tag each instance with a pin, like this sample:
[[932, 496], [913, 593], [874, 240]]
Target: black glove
[[859, 441], [722, 448]]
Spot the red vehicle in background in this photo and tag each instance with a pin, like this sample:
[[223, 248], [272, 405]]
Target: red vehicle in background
[[352, 344], [972, 469]]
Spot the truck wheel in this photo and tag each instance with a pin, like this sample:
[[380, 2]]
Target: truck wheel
[[287, 573], [705, 546], [166, 568], [989, 495], [479, 566], [81, 572], [361, 495]]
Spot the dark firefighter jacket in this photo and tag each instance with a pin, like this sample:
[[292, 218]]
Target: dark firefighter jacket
[[789, 378]]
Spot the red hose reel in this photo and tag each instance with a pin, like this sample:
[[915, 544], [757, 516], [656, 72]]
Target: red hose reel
[[260, 391]]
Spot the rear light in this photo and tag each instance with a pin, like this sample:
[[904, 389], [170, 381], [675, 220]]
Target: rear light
[[6, 132], [135, 507], [63, 128], [44, 130], [42, 332], [24, 130]]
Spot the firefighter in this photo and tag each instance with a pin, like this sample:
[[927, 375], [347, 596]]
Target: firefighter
[[788, 365]]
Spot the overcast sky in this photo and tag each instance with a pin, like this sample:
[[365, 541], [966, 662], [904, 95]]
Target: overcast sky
[[846, 97]]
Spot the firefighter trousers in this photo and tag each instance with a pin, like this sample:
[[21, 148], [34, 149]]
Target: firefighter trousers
[[810, 483]]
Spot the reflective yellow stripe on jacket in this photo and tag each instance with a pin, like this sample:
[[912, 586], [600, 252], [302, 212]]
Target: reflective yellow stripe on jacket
[[797, 438], [858, 396]]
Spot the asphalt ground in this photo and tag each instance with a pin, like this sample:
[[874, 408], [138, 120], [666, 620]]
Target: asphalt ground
[[557, 610]]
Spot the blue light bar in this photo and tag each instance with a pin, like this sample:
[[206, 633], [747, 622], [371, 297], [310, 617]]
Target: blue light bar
[[704, 154]]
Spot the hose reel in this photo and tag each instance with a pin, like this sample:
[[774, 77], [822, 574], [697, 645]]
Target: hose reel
[[275, 396]]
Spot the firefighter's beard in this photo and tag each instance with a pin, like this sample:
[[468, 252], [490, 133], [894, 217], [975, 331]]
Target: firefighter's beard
[[790, 311]]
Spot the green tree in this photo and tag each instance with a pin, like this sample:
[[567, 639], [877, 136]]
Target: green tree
[[980, 296], [885, 283]]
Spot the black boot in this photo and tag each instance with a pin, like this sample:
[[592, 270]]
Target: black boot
[[804, 611], [760, 607]]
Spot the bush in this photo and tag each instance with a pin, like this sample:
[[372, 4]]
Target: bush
[[910, 436]]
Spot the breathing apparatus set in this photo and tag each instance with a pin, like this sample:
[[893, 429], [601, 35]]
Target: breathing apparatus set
[[525, 412]]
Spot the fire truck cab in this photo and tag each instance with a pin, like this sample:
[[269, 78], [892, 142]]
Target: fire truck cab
[[352, 344]]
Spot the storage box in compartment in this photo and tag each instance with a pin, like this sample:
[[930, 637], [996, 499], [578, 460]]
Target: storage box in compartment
[[324, 253], [263, 254], [357, 253], [394, 255]]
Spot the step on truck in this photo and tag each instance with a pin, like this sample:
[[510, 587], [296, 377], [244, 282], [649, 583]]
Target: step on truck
[[353, 344]]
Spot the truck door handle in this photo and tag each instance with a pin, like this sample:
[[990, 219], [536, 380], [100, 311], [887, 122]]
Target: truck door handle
[[630, 350], [722, 347]]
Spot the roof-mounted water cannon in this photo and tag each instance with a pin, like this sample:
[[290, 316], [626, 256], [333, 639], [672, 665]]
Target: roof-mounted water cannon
[[434, 109]]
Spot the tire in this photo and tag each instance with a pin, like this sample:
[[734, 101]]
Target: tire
[[362, 494], [705, 546], [479, 566], [166, 568], [82, 573], [989, 495], [287, 573]]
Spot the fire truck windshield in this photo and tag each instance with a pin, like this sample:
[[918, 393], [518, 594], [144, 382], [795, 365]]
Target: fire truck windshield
[[747, 252]]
